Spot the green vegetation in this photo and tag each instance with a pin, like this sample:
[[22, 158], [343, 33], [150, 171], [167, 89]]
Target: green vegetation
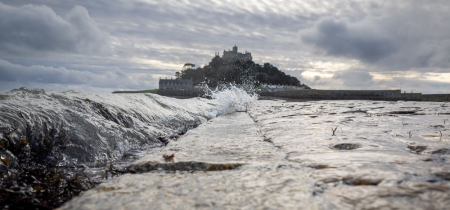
[[220, 71], [137, 91]]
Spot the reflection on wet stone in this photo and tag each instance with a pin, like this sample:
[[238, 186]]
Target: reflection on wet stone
[[346, 146], [443, 175], [356, 181], [279, 157], [443, 151], [182, 166], [417, 149]]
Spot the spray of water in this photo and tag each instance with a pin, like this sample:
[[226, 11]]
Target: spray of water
[[104, 127], [233, 98]]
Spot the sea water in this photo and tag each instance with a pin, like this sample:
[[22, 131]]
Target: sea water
[[105, 127]]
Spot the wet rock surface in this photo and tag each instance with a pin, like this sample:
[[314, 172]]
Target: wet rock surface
[[276, 156], [373, 155]]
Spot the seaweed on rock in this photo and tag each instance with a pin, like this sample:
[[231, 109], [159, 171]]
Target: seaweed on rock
[[31, 178]]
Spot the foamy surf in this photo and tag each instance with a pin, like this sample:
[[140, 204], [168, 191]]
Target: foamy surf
[[231, 98], [104, 127]]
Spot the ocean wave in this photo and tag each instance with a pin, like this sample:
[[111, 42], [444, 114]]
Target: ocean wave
[[104, 127]]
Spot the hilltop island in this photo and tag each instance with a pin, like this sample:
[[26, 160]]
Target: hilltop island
[[237, 68]]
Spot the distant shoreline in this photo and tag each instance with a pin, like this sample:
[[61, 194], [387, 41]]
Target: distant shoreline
[[314, 94]]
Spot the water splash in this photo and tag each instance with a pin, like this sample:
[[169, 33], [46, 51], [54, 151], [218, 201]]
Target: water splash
[[104, 127], [233, 98]]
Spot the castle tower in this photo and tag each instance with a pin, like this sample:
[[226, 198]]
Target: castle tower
[[235, 49]]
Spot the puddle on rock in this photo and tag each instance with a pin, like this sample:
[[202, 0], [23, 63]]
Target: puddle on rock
[[319, 166], [417, 149], [346, 146], [359, 181], [182, 166], [443, 151], [443, 175], [402, 112]]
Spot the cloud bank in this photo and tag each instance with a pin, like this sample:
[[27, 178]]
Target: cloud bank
[[41, 76], [37, 29], [408, 36], [352, 44], [360, 41]]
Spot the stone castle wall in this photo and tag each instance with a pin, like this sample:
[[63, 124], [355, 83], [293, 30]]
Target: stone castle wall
[[311, 94], [436, 97], [344, 95], [188, 93], [175, 84], [385, 95]]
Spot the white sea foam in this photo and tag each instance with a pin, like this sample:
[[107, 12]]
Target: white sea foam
[[232, 98], [104, 127]]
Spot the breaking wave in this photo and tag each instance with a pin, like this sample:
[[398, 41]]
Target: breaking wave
[[104, 127], [233, 98]]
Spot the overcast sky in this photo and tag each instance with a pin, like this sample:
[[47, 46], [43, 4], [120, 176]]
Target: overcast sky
[[106, 45]]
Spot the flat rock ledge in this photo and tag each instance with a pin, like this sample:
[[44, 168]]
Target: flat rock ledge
[[223, 164], [294, 155]]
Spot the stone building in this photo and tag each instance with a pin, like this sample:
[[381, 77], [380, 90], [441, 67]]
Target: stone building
[[233, 55], [176, 84]]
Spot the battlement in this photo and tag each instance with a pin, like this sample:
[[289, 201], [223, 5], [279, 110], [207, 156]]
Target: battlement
[[233, 55]]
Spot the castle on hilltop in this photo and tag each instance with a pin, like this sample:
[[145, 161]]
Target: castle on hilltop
[[234, 55], [179, 84], [175, 84]]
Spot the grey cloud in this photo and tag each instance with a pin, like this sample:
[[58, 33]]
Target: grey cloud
[[386, 36], [362, 79], [402, 35], [32, 29], [354, 78], [195, 23], [349, 79], [416, 85], [316, 83], [338, 38], [14, 73], [194, 30]]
